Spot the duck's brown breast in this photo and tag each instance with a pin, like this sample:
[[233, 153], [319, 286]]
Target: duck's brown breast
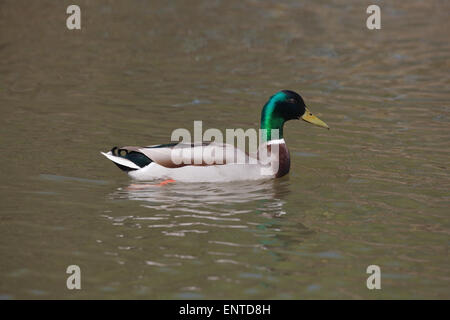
[[284, 160]]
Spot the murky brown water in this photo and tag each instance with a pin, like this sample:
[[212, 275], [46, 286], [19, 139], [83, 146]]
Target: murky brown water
[[373, 190]]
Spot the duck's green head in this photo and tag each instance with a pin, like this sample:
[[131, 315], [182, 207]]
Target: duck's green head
[[283, 106]]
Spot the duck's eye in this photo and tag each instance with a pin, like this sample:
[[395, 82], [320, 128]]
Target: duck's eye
[[291, 100]]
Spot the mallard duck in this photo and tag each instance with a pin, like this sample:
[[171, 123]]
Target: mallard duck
[[157, 161]]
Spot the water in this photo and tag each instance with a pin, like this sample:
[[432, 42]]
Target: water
[[372, 190]]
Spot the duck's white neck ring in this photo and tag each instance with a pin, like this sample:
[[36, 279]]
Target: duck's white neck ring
[[277, 141]]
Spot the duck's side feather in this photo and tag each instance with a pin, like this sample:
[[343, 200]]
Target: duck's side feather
[[182, 154]]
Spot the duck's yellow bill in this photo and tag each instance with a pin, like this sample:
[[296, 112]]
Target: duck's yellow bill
[[309, 117]]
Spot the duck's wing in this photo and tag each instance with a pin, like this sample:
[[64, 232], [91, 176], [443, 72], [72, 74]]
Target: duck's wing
[[197, 154], [175, 155]]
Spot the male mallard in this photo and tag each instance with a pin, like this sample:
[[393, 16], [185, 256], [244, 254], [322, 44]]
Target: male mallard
[[157, 162]]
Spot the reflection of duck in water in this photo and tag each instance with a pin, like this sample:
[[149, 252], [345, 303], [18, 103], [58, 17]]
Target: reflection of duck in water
[[211, 223], [156, 162], [211, 198]]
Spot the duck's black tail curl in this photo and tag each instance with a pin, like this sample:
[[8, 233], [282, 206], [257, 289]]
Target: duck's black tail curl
[[138, 158]]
